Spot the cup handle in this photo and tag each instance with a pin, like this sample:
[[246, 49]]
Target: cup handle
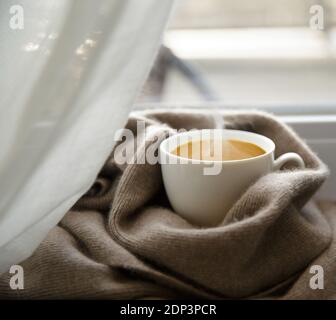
[[290, 156]]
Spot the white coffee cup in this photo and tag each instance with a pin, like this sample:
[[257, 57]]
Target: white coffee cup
[[201, 193]]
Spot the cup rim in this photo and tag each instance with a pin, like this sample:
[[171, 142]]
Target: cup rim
[[199, 161]]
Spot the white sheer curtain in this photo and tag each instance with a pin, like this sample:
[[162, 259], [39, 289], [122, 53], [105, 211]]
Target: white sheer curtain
[[67, 82]]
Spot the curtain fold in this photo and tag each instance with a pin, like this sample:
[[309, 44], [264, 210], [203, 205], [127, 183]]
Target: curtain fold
[[67, 83]]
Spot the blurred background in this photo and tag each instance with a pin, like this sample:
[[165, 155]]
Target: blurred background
[[260, 53]]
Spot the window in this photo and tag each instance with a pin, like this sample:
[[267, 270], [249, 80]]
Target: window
[[250, 53], [263, 54]]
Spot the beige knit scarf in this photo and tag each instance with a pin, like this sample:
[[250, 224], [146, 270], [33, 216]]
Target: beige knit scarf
[[122, 239]]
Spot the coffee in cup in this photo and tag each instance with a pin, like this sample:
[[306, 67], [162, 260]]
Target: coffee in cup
[[218, 150], [205, 199]]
